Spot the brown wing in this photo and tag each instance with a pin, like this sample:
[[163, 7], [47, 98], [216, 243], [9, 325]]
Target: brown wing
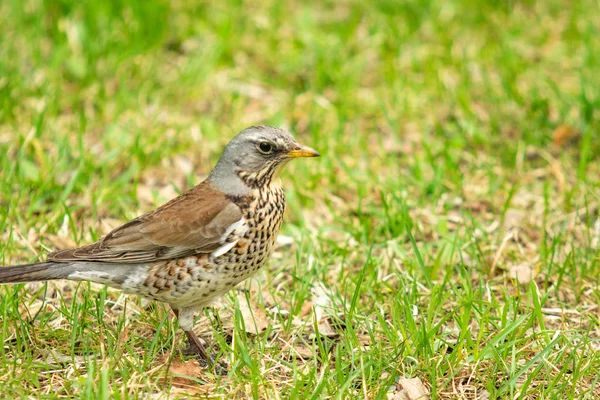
[[192, 223]]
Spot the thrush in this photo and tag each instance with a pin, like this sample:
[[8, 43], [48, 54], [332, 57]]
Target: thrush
[[196, 247]]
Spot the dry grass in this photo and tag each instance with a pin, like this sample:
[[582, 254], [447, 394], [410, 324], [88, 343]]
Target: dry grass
[[450, 233]]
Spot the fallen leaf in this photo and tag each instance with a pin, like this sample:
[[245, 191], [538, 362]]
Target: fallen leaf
[[306, 308], [299, 350], [325, 328], [564, 134], [483, 395], [190, 368], [409, 389], [523, 273], [258, 289], [321, 300], [255, 318], [183, 374]]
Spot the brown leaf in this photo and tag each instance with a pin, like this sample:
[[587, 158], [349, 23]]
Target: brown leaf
[[306, 308], [189, 368], [183, 374], [564, 134]]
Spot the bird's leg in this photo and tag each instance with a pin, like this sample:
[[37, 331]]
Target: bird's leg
[[199, 347], [194, 340]]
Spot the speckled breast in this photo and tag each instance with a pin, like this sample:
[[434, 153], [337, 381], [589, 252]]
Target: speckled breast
[[263, 214], [198, 280]]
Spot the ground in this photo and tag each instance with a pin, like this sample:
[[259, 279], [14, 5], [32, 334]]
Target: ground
[[449, 234]]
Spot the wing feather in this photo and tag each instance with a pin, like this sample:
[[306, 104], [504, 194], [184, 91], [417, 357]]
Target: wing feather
[[193, 223]]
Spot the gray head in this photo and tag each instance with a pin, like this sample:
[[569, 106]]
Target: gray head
[[254, 157]]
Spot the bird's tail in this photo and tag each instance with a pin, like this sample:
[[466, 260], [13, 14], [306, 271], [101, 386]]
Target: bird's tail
[[43, 271]]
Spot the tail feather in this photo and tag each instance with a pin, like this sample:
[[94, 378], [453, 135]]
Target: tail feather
[[44, 271]]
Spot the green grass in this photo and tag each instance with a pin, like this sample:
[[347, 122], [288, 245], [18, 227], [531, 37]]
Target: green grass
[[440, 181]]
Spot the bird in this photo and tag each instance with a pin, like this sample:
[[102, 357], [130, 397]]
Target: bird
[[196, 247]]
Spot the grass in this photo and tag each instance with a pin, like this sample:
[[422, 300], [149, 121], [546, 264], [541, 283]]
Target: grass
[[449, 233]]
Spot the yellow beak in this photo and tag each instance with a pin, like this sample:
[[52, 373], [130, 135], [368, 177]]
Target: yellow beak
[[303, 151]]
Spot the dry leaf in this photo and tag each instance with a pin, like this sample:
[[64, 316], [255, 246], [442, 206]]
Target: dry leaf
[[325, 328], [483, 395], [322, 303], [320, 299], [256, 288], [189, 368], [183, 374], [255, 318], [523, 273], [306, 308], [410, 389], [299, 350], [564, 134]]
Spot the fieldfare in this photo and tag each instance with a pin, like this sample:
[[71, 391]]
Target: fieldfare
[[196, 247]]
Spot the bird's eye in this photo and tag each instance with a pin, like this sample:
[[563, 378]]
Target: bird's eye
[[265, 147]]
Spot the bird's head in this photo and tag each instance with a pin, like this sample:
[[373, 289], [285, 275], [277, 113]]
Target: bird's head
[[255, 157]]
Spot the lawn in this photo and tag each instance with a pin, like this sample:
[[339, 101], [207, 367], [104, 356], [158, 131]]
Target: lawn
[[449, 234]]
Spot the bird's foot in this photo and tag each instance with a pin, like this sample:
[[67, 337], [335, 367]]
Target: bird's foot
[[205, 359]]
